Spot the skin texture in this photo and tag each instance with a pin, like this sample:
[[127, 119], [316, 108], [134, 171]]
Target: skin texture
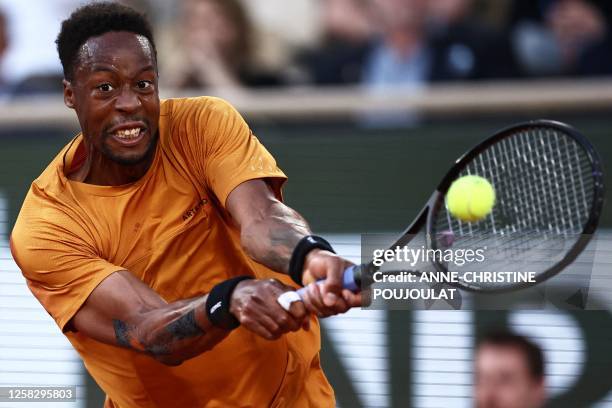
[[269, 230], [503, 379], [115, 84]]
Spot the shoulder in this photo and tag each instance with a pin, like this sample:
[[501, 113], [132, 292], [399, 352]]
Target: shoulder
[[188, 122], [201, 107], [44, 217], [46, 233], [49, 211]]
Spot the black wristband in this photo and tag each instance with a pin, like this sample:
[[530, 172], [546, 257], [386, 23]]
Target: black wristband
[[306, 244], [218, 303]]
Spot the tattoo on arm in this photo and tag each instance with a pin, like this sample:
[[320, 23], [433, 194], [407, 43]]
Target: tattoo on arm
[[185, 327], [123, 333], [271, 240], [126, 337], [167, 338]]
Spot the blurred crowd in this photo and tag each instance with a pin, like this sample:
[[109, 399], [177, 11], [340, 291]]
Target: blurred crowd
[[207, 44]]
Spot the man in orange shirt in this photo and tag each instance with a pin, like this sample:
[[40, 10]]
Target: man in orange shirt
[[158, 241]]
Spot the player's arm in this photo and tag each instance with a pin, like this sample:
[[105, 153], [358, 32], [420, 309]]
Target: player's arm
[[270, 231], [123, 311]]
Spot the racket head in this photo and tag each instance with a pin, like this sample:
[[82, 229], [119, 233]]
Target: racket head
[[550, 191]]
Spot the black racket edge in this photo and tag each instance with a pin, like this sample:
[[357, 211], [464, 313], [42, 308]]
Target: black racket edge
[[363, 273], [594, 214], [596, 207]]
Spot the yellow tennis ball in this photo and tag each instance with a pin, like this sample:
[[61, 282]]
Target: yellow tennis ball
[[470, 198]]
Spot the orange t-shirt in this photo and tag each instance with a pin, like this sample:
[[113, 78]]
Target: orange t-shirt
[[172, 231]]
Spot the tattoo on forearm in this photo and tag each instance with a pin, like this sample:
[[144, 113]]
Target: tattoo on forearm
[[124, 335], [158, 350], [185, 326], [282, 232], [182, 328]]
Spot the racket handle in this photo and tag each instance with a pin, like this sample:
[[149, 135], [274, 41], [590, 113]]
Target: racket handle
[[350, 280]]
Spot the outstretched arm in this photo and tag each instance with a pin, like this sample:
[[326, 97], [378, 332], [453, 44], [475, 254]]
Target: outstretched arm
[[270, 231], [124, 311]]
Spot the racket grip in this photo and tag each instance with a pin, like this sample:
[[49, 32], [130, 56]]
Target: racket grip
[[348, 280]]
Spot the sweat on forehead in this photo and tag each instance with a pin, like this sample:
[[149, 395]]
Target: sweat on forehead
[[107, 44]]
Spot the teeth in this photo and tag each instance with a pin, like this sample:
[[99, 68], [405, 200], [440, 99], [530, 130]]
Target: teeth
[[128, 133]]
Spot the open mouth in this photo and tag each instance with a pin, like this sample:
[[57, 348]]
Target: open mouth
[[129, 137]]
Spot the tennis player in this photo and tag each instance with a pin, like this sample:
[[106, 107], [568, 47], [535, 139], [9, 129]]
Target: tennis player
[[158, 241]]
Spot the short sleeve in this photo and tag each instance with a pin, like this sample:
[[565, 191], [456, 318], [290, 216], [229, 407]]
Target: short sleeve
[[222, 147], [60, 267]]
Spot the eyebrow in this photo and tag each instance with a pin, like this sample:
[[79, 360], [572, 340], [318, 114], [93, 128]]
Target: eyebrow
[[105, 68]]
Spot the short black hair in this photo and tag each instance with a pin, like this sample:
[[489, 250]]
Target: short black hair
[[93, 20], [534, 356]]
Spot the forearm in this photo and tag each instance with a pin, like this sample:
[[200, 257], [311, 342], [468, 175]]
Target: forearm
[[172, 333], [271, 237]]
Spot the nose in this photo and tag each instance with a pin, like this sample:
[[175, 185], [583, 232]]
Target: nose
[[127, 100]]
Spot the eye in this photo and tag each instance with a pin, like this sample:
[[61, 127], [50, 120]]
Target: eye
[[105, 87], [144, 84]]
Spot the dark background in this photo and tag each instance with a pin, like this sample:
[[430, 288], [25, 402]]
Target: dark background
[[342, 177]]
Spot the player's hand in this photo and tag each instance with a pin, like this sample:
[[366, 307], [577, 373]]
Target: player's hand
[[254, 304], [328, 298]]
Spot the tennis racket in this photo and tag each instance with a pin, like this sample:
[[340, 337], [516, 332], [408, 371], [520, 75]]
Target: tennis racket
[[549, 188]]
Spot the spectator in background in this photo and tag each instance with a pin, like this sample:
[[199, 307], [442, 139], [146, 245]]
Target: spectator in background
[[348, 31], [4, 41], [572, 39], [400, 57], [30, 64], [509, 372], [579, 26], [436, 41], [407, 43], [213, 48], [463, 47]]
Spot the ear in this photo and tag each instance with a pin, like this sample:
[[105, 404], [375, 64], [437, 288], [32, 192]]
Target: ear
[[68, 94]]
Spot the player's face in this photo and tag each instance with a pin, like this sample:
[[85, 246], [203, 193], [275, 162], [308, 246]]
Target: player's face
[[503, 380], [114, 92]]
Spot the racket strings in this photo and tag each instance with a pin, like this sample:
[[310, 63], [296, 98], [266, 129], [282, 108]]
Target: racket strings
[[545, 188]]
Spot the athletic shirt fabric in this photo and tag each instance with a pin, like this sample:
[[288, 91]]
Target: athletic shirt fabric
[[172, 231]]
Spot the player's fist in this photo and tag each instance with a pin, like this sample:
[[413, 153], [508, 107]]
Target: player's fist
[[328, 297], [254, 303]]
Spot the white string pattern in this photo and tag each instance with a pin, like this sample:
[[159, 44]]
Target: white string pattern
[[544, 191]]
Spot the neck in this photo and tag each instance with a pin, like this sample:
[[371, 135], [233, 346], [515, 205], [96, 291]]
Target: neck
[[98, 169]]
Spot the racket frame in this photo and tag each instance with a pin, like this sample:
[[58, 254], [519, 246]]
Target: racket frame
[[427, 215]]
